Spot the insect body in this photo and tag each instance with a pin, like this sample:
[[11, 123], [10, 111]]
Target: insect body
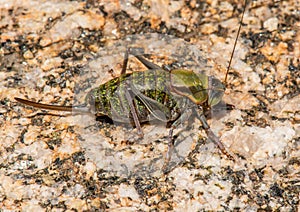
[[165, 95]]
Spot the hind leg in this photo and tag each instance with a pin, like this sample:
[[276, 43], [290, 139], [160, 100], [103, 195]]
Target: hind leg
[[137, 52], [129, 97]]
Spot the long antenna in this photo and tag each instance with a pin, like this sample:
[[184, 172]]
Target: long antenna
[[235, 42]]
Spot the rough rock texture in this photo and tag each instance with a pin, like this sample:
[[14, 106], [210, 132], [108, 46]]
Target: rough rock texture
[[56, 51]]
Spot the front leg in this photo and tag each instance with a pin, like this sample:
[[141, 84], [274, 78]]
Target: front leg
[[211, 136]]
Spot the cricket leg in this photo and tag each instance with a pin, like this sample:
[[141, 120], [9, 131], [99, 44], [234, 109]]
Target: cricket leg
[[184, 117], [147, 63], [125, 62], [133, 111], [138, 52], [212, 137], [130, 99]]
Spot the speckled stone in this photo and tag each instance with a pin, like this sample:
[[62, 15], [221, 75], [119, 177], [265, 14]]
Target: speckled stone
[[55, 52]]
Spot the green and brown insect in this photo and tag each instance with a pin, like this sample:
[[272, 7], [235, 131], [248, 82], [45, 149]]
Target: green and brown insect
[[167, 95]]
